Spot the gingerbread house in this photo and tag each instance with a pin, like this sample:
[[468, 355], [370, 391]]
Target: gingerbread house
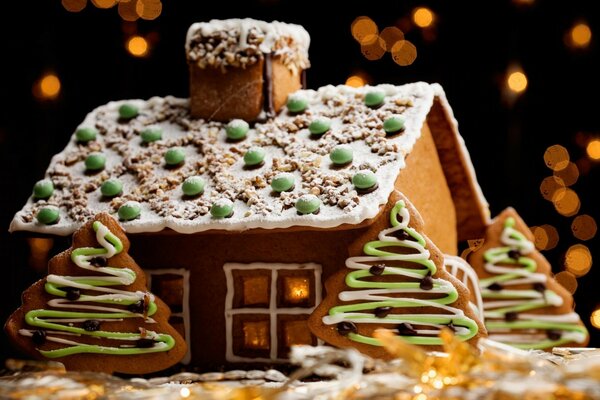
[[241, 200]]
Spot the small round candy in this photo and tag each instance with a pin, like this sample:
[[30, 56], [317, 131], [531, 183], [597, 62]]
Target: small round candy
[[237, 129], [282, 182], [111, 187], [308, 204], [393, 125], [193, 186], [130, 210], [95, 161], [48, 215], [296, 103], [86, 134], [254, 156], [151, 134], [341, 154], [364, 179], [174, 156], [374, 98], [319, 126], [221, 208], [43, 189], [128, 111]]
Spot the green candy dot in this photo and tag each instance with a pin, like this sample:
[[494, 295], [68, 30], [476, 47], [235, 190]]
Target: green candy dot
[[193, 185], [319, 126], [254, 156], [43, 189], [95, 161], [282, 182], [48, 215], [221, 208], [130, 210], [151, 134], [341, 155], [374, 98], [364, 179], [128, 111], [111, 187], [86, 134], [393, 125], [308, 204], [296, 103], [237, 129], [174, 156]]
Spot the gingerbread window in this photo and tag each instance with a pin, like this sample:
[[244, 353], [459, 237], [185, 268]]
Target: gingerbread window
[[266, 309], [172, 286]]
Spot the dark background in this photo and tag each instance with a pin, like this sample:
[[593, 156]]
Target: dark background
[[468, 51]]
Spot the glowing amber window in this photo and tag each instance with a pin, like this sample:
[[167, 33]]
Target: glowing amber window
[[296, 332], [297, 290], [256, 335], [256, 290]]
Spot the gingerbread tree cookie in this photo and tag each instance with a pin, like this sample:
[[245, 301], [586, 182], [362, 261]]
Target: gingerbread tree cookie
[[523, 305], [93, 311], [400, 283]]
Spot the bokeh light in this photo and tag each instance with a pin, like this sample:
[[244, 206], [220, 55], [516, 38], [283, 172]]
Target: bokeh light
[[423, 17], [578, 260], [517, 81], [556, 157], [372, 48], [593, 149], [595, 318], [47, 87], [550, 185], [104, 3], [128, 10], [567, 280], [74, 5], [566, 202], [569, 174], [545, 237], [404, 53], [390, 36], [137, 46], [363, 27], [356, 81], [148, 9], [580, 35], [584, 227]]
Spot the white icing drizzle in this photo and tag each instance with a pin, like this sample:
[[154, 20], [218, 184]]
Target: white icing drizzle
[[459, 268]]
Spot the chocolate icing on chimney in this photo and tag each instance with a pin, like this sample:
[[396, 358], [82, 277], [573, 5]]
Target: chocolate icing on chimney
[[244, 68]]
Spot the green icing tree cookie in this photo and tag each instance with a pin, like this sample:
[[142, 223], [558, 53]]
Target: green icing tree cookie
[[523, 305], [93, 311], [395, 280]]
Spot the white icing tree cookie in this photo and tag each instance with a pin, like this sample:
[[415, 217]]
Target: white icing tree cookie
[[398, 282], [523, 305], [93, 311]]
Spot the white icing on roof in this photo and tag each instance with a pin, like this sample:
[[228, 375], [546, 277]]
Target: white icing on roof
[[289, 148]]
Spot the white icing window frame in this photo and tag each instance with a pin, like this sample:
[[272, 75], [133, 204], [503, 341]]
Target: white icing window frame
[[185, 306], [273, 311]]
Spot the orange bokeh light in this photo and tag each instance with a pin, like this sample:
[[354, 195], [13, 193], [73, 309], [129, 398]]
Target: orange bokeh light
[[567, 280], [517, 81], [593, 149], [363, 27], [566, 202], [423, 17], [545, 237], [578, 260], [584, 227], [356, 81], [74, 5], [569, 174], [550, 185], [580, 35], [137, 46], [556, 157], [404, 53]]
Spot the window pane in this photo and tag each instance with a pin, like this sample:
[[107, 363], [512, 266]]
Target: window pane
[[295, 288], [251, 335], [169, 288], [252, 288], [292, 330]]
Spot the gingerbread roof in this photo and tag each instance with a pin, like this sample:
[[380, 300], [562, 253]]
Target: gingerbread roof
[[288, 146]]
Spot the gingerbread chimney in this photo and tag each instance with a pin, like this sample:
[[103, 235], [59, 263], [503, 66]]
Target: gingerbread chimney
[[244, 68]]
